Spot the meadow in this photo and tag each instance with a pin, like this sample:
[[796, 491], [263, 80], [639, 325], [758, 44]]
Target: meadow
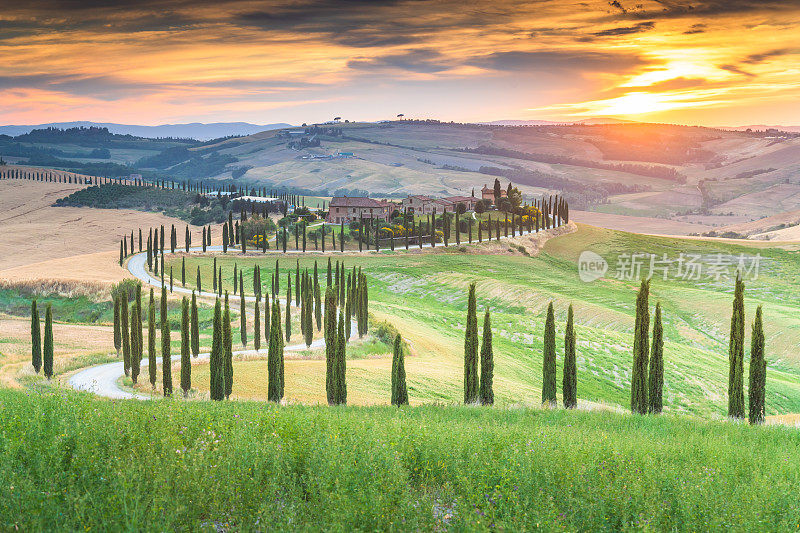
[[424, 296], [69, 462]]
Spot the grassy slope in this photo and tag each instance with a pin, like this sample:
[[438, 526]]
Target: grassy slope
[[70, 462], [424, 295]]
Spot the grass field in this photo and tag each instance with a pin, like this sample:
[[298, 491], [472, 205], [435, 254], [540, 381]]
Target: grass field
[[424, 296], [70, 462]]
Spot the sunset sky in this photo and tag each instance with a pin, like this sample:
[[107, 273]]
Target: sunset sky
[[713, 62]]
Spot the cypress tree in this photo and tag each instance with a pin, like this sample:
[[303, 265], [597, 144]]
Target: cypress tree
[[656, 379], [267, 320], [225, 238], [124, 333], [198, 283], [137, 349], [275, 356], [340, 371], [297, 283], [228, 348], [736, 354], [570, 379], [549, 359], [195, 327], [758, 372], [289, 310], [399, 389], [487, 363], [186, 363], [471, 350], [257, 326], [242, 312], [330, 342], [117, 326], [166, 361], [47, 353], [183, 271], [641, 350], [216, 371], [36, 338], [317, 304], [151, 339]]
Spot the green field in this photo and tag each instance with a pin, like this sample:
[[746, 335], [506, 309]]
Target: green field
[[70, 462], [424, 296]]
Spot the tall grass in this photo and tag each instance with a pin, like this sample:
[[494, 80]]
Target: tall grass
[[68, 462]]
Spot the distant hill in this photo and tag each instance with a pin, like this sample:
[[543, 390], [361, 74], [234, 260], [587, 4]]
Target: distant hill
[[763, 127], [195, 130], [594, 120]]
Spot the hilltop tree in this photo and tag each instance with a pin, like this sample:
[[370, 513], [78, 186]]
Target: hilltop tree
[[549, 359], [151, 339], [641, 336], [736, 353], [166, 362], [399, 389], [471, 350], [656, 379], [195, 327], [117, 326], [216, 363], [228, 348], [758, 372], [570, 379], [186, 363], [47, 355], [487, 362], [36, 338], [330, 342], [275, 356]]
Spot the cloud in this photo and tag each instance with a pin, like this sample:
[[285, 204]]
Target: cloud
[[559, 60], [626, 30], [736, 70], [695, 28], [425, 61], [703, 8], [752, 59]]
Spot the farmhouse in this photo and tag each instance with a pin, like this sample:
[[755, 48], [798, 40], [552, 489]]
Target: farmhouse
[[488, 193], [425, 205], [349, 208], [414, 203]]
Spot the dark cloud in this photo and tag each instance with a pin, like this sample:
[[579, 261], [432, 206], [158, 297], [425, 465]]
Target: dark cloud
[[425, 61], [558, 60], [737, 70], [695, 28], [696, 8], [752, 59], [626, 30]]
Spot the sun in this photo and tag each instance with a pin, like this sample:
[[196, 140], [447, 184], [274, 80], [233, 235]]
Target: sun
[[637, 103]]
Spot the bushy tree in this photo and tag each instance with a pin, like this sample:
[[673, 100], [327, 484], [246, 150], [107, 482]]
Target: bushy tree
[[758, 372], [549, 359]]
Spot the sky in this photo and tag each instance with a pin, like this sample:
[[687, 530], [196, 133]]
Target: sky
[[708, 62]]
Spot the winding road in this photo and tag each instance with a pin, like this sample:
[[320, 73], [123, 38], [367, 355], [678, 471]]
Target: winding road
[[103, 379]]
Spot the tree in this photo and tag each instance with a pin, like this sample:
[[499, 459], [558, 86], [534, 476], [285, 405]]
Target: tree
[[117, 326], [47, 355], [549, 359], [195, 327], [570, 379], [641, 334], [399, 389], [242, 312], [330, 342], [275, 356], [289, 310], [137, 341], [471, 350], [166, 362], [758, 372], [36, 338], [340, 369], [257, 326], [736, 353], [217, 373], [487, 362], [151, 339], [186, 363], [497, 191], [124, 333], [228, 348], [656, 378]]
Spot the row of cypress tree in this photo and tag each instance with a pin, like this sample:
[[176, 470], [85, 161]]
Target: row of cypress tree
[[42, 356]]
